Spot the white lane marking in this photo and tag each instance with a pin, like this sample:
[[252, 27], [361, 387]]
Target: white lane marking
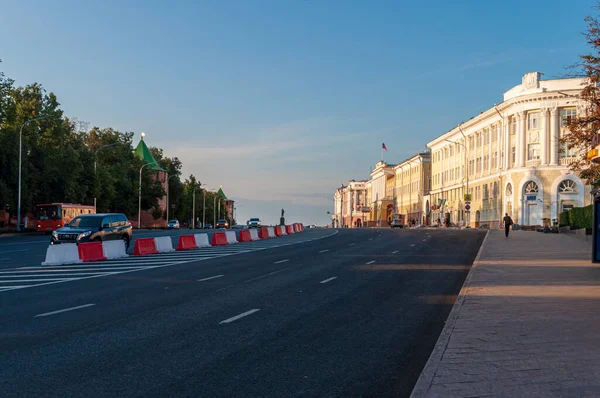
[[282, 261], [351, 244], [49, 275], [58, 271], [370, 238], [243, 314], [424, 240], [371, 262], [324, 251], [65, 310], [265, 275], [412, 245], [210, 277], [395, 251], [329, 279]]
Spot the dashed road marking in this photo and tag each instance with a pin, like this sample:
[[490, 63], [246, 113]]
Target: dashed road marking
[[351, 244], [265, 275], [282, 261], [64, 310], [324, 251], [329, 279], [210, 277], [243, 314], [395, 251], [412, 245], [371, 262]]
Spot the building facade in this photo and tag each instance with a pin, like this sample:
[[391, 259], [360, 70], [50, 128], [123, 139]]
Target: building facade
[[349, 203], [381, 194], [509, 159], [412, 184]]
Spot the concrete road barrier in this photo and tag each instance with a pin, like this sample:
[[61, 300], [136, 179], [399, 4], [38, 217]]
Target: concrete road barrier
[[144, 246], [289, 229], [254, 234], [65, 253], [245, 235], [202, 240], [219, 239], [114, 249], [164, 244], [186, 242], [91, 251], [231, 237], [271, 232]]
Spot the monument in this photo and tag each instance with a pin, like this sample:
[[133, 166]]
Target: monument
[[282, 219]]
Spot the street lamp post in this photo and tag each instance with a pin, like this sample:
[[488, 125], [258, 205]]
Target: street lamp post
[[95, 166], [20, 152], [140, 195], [168, 196]]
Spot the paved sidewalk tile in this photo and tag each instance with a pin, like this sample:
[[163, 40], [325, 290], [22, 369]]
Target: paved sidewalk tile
[[527, 326]]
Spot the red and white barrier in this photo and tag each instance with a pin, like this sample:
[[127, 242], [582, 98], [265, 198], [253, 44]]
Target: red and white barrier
[[219, 239], [114, 249], [65, 253], [245, 235], [231, 237], [164, 244], [201, 240], [289, 229], [264, 233], [254, 234], [144, 246], [91, 251], [271, 231], [186, 242]]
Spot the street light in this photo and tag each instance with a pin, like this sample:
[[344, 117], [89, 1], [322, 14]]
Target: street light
[[140, 193], [20, 150], [95, 161]]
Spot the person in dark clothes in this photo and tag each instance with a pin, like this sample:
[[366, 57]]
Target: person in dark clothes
[[507, 223]]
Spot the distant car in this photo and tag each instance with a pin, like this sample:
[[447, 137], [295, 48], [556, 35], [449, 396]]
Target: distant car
[[208, 226], [173, 224], [254, 223], [312, 226], [94, 228], [396, 224], [223, 224]]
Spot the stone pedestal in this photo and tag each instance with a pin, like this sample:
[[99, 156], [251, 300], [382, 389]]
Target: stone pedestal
[[282, 221]]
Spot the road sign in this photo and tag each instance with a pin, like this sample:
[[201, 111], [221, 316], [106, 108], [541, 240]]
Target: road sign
[[467, 207]]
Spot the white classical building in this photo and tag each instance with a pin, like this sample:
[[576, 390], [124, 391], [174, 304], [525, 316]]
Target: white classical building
[[509, 158], [349, 201]]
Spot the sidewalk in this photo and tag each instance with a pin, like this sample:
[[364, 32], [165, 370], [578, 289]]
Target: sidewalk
[[526, 323]]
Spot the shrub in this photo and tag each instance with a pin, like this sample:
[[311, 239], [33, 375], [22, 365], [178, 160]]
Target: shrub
[[581, 217], [564, 218]]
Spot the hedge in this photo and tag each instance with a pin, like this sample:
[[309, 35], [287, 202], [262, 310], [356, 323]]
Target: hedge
[[564, 219], [581, 217]]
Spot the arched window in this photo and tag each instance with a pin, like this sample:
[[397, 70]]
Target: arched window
[[531, 187], [509, 191], [567, 186]]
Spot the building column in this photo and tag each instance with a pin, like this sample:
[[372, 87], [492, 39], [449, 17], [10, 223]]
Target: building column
[[521, 139], [490, 149], [506, 134], [554, 132], [544, 137]]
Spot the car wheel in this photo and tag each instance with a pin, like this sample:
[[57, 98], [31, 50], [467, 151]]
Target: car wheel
[[125, 240]]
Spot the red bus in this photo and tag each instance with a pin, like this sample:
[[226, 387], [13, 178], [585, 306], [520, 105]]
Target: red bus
[[50, 217]]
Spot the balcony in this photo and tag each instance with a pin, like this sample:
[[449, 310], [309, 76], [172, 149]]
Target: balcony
[[567, 161]]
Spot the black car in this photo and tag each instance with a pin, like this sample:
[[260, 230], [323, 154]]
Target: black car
[[94, 228]]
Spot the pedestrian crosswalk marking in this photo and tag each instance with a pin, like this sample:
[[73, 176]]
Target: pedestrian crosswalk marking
[[25, 277]]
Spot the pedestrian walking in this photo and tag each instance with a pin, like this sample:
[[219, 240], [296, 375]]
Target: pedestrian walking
[[507, 223]]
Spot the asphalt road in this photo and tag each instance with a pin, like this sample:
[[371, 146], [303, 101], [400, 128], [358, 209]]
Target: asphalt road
[[29, 250], [353, 313]]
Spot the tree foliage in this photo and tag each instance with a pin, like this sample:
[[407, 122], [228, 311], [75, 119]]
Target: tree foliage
[[59, 154], [585, 127]]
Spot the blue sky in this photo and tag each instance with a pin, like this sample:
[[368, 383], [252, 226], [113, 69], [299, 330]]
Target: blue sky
[[282, 101]]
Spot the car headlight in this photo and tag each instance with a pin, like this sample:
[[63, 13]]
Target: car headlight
[[84, 234]]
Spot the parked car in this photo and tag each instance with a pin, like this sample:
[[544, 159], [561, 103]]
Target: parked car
[[94, 228], [208, 226], [222, 224], [254, 223], [396, 224], [173, 224]]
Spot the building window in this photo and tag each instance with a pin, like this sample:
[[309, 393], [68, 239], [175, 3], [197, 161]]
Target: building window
[[494, 134], [494, 160], [486, 137], [533, 121], [513, 125], [478, 141], [509, 190], [566, 116], [486, 160], [471, 143], [478, 165], [533, 151], [567, 186], [531, 188]]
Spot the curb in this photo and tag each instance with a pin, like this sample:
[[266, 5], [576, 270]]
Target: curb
[[425, 379]]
